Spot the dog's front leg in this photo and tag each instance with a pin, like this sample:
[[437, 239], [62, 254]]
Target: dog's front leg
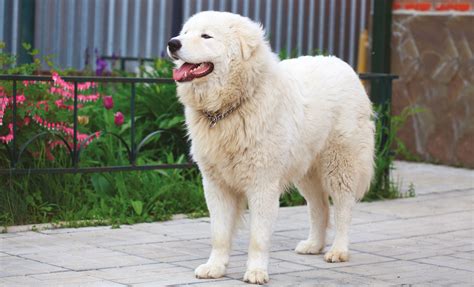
[[225, 208], [263, 205]]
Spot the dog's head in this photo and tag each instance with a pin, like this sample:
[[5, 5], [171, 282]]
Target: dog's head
[[212, 46]]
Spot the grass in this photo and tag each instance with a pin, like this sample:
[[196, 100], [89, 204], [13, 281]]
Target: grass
[[123, 197]]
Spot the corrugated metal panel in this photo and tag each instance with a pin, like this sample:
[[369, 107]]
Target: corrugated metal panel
[[256, 10], [71, 29], [289, 27], [15, 30], [148, 28], [2, 16], [278, 30], [300, 29], [321, 14], [311, 27], [352, 39]]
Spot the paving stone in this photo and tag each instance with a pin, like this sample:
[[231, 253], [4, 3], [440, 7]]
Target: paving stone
[[404, 248], [321, 277], [167, 251], [141, 274], [449, 261], [114, 237], [178, 279], [392, 267], [75, 230], [14, 265], [364, 213], [9, 235], [73, 278], [278, 243], [34, 242], [422, 225], [451, 239], [237, 267], [223, 282], [189, 231], [90, 258], [52, 280], [430, 178], [295, 234], [317, 261], [464, 255], [426, 205], [426, 275], [465, 248]]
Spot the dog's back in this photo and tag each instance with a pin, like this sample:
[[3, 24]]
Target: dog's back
[[335, 100]]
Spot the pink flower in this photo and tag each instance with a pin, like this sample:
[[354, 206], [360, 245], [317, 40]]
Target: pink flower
[[118, 119], [55, 76], [9, 137], [108, 102]]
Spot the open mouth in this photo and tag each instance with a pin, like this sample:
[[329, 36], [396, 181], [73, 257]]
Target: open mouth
[[188, 72]]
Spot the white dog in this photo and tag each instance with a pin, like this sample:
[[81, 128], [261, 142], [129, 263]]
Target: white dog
[[257, 125]]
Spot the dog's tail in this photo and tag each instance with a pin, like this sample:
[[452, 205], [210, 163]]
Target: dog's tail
[[366, 158]]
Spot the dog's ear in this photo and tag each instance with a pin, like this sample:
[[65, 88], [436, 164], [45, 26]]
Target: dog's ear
[[251, 36]]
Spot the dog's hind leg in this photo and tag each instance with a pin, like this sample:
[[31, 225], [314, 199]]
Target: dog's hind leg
[[340, 179], [225, 209], [318, 209]]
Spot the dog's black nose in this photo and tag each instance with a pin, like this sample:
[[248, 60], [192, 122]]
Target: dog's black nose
[[174, 45]]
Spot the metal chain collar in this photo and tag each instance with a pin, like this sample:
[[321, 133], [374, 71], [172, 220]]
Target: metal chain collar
[[217, 116]]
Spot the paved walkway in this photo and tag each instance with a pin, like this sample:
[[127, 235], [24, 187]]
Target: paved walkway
[[425, 240]]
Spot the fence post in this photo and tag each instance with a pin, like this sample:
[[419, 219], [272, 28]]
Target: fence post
[[177, 17], [14, 122], [27, 29], [381, 34], [133, 153], [74, 154], [381, 89]]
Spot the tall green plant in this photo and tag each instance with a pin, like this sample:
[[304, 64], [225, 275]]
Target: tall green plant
[[382, 185]]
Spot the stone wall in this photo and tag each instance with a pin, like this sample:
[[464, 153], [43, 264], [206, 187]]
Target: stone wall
[[434, 55]]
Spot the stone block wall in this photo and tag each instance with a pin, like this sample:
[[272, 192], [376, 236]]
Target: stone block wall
[[434, 55]]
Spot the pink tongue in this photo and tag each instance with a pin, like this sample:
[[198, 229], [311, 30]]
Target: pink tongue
[[183, 72]]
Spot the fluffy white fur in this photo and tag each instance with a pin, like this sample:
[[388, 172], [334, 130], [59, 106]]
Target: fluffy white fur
[[305, 121]]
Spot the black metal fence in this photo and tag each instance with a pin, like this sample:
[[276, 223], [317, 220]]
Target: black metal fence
[[132, 147], [383, 99]]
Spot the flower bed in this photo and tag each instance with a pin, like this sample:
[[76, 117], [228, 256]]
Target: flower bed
[[103, 109]]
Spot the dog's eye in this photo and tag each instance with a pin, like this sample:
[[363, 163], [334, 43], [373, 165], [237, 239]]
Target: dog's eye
[[205, 36]]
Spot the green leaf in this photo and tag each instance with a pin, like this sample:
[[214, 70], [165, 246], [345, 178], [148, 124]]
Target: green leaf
[[137, 206], [26, 46], [100, 183]]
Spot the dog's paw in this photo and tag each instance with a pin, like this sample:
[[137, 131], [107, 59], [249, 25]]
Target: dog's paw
[[256, 276], [309, 247], [336, 255], [207, 271]]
